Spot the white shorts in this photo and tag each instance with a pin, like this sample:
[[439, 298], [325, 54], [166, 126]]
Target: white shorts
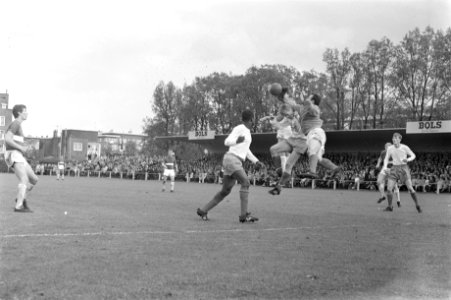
[[14, 156], [319, 135], [169, 172], [284, 133]]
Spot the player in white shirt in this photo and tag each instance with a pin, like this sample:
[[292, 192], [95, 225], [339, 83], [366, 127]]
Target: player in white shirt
[[60, 170], [238, 141], [400, 155]]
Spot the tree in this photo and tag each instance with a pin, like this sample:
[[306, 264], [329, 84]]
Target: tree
[[130, 148], [413, 71], [338, 66]]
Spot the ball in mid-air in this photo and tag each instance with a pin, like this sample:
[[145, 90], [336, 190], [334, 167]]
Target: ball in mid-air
[[275, 89]]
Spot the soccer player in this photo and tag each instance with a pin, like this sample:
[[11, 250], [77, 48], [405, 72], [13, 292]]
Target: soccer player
[[60, 170], [238, 141], [283, 127], [15, 150], [170, 168], [382, 176], [401, 155], [314, 142]]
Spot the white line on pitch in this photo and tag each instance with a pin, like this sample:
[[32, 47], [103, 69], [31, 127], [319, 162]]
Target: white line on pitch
[[99, 233]]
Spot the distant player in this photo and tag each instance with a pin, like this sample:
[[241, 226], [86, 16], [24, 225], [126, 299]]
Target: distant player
[[382, 176], [60, 170], [170, 168], [238, 141], [15, 150], [401, 155]]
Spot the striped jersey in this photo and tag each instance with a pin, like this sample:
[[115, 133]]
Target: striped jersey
[[17, 132]]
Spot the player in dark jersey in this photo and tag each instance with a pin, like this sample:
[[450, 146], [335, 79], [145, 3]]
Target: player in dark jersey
[[170, 168], [15, 159], [382, 177]]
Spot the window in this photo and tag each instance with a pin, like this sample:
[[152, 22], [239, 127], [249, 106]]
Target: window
[[2, 135], [78, 146], [3, 105], [2, 120]]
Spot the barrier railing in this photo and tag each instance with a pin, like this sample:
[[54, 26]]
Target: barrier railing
[[207, 178]]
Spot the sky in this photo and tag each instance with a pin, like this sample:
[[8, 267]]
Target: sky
[[94, 64]]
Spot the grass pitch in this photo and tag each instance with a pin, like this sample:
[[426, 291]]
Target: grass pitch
[[124, 239]]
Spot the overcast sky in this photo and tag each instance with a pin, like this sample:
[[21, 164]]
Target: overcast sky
[[94, 65]]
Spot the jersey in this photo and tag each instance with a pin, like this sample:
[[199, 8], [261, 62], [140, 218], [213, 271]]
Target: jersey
[[242, 149], [399, 154], [169, 162], [310, 119], [61, 165], [18, 136]]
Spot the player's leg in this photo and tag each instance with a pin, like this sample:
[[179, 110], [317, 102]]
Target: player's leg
[[21, 174], [381, 178], [413, 194], [390, 185], [283, 161], [286, 175], [172, 178], [164, 182], [278, 151], [242, 178], [32, 181], [398, 197], [227, 184]]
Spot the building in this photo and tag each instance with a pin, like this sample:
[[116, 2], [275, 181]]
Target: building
[[6, 117], [78, 145], [113, 143]]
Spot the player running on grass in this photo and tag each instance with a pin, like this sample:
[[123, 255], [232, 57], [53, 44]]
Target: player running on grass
[[401, 155], [238, 141], [15, 150], [382, 177]]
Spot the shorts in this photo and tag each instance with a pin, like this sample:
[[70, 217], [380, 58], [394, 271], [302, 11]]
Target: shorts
[[382, 176], [169, 172], [231, 163], [298, 144], [284, 133], [400, 173], [14, 156], [319, 135]]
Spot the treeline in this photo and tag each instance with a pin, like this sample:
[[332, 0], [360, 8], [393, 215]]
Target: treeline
[[383, 86]]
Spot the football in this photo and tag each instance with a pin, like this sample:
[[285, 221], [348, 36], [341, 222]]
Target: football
[[275, 89]]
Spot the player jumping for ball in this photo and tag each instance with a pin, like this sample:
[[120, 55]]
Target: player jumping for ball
[[238, 141], [314, 142], [15, 150], [401, 155]]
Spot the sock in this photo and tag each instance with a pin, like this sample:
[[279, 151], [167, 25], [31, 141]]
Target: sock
[[326, 163], [389, 199], [313, 162], [283, 162], [244, 197], [284, 179], [21, 191], [172, 185], [414, 197]]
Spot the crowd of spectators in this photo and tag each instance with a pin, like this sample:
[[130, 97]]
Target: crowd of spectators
[[430, 171]]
